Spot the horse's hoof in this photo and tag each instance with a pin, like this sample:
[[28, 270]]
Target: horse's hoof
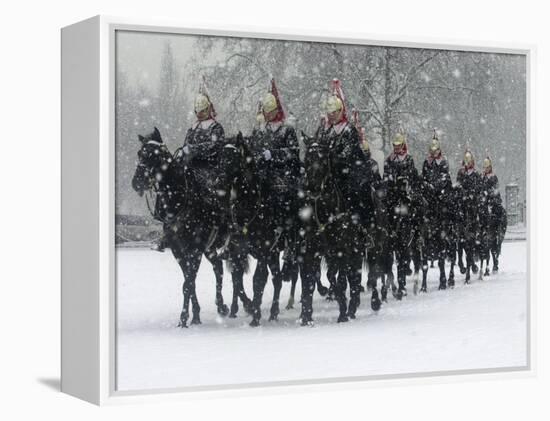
[[487, 273], [273, 318], [343, 319], [232, 315], [307, 323], [290, 305], [223, 310], [182, 324], [254, 323], [467, 282], [424, 289], [351, 316], [196, 321]]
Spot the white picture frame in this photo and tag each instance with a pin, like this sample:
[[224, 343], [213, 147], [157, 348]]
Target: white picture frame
[[88, 263]]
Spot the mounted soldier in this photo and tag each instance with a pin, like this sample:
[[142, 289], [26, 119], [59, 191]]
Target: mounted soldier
[[495, 213], [437, 186], [469, 185], [336, 184], [402, 180], [275, 147], [375, 219], [200, 154]]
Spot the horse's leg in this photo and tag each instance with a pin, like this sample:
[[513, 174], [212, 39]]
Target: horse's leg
[[424, 263], [234, 300], [217, 266], [469, 261], [277, 279], [308, 268], [259, 281], [416, 258], [321, 289], [294, 280], [371, 264], [386, 265], [331, 276], [481, 260], [237, 275], [451, 280], [402, 257], [190, 266], [495, 260], [340, 291], [354, 269], [460, 253]]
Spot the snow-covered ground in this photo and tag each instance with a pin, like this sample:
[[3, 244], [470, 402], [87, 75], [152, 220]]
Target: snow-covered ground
[[482, 325]]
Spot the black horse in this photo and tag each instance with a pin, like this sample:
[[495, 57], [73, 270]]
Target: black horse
[[328, 231], [253, 231], [497, 222], [188, 229]]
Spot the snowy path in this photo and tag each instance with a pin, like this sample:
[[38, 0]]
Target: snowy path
[[482, 325]]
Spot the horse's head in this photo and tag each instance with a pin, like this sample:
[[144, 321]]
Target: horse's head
[[316, 163], [232, 156], [153, 161]]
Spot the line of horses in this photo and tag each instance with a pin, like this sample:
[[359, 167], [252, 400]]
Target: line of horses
[[227, 218]]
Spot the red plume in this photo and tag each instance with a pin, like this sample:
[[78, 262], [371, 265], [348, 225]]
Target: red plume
[[357, 124], [280, 111]]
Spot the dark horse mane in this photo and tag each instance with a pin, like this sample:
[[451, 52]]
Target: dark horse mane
[[321, 192], [242, 181]]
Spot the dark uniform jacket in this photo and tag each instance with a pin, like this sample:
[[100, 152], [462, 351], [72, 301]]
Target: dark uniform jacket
[[402, 179], [204, 141], [200, 156], [348, 166], [282, 170]]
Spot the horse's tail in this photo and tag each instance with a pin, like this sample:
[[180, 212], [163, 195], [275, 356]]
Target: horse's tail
[[365, 263]]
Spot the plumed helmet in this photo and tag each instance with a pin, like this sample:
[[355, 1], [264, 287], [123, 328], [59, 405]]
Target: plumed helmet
[[334, 104], [202, 103], [399, 139], [468, 158], [269, 103]]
